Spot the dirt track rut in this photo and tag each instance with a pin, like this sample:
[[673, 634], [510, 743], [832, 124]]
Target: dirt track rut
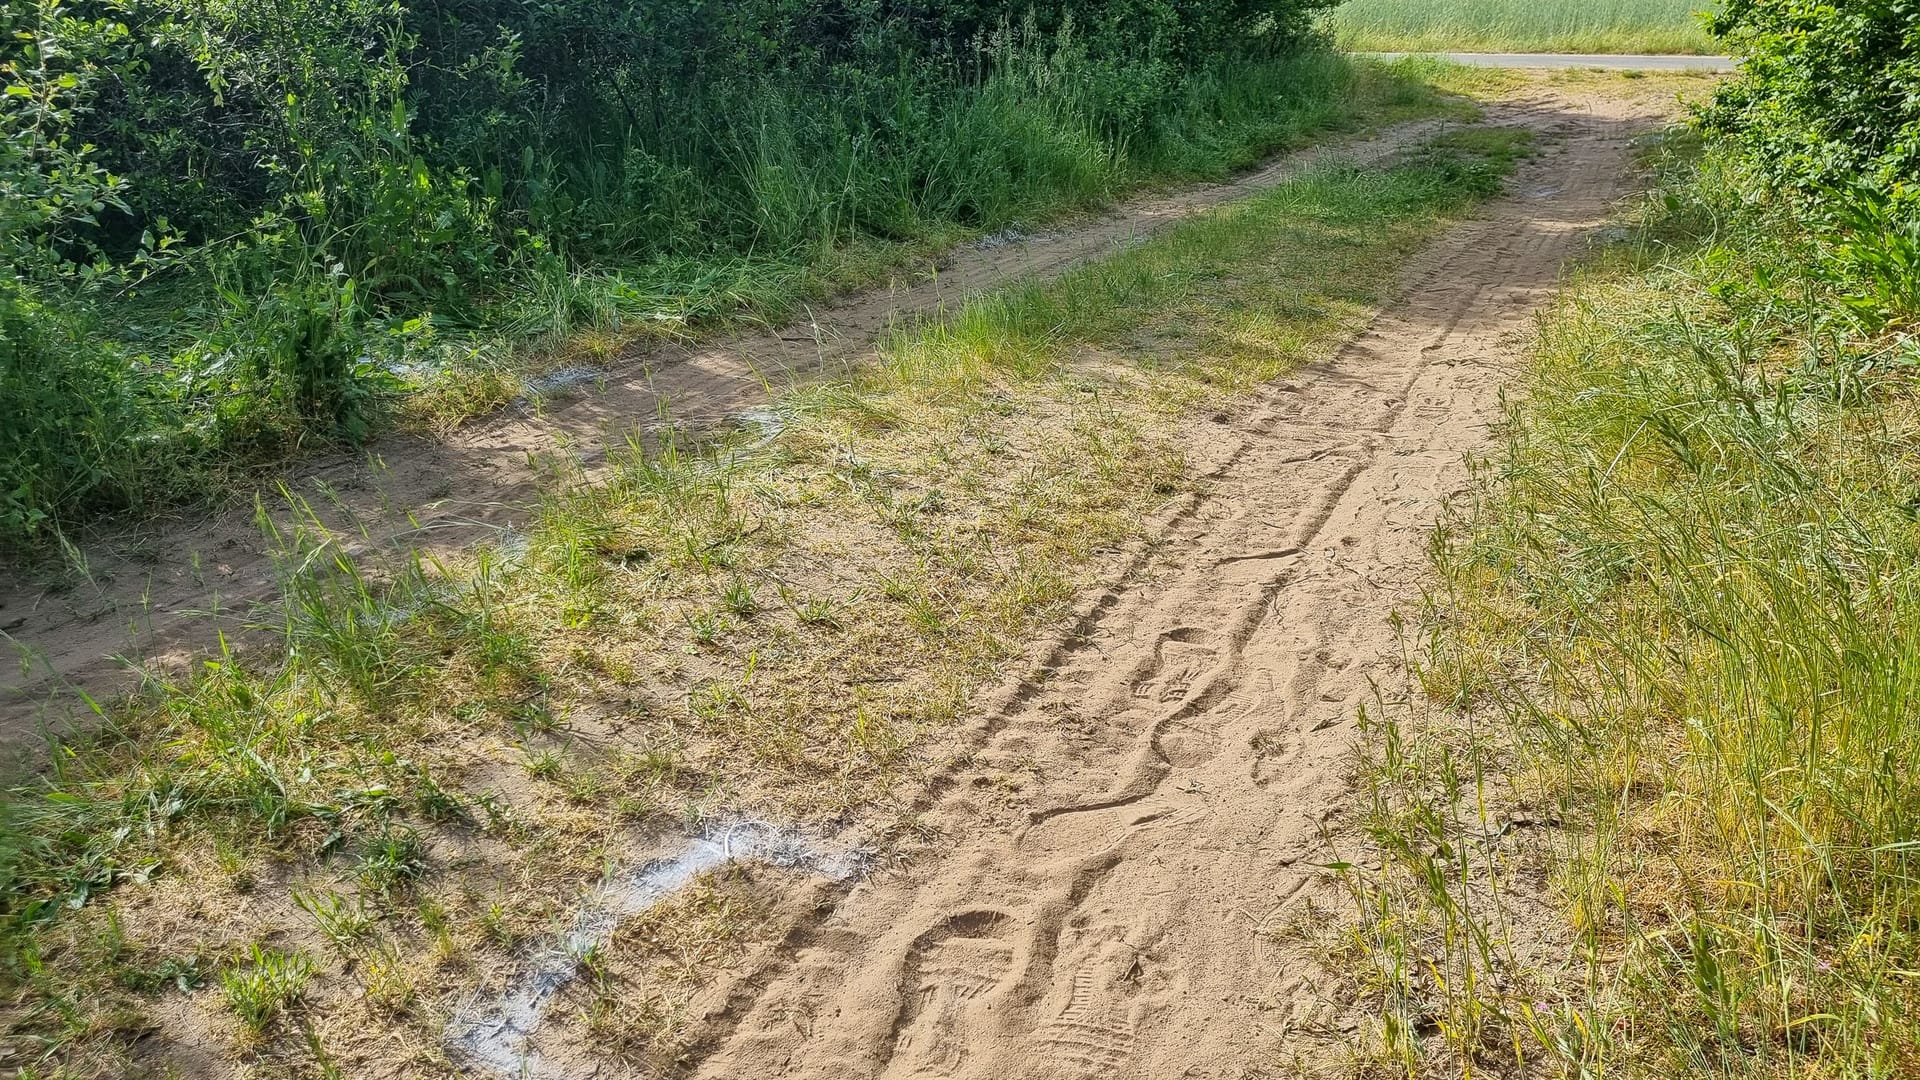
[[1172, 763]]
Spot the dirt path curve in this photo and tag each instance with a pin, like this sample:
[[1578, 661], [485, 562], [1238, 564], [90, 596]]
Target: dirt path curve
[[163, 595], [1133, 824]]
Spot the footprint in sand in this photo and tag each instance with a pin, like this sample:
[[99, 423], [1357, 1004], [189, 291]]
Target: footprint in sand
[[1180, 657], [1272, 751], [1110, 971], [947, 970], [1188, 744], [1078, 834]]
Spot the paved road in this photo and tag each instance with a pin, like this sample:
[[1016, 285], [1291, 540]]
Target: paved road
[[1579, 60]]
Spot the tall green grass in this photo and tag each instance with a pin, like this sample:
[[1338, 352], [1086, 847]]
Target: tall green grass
[[1681, 615], [1572, 26]]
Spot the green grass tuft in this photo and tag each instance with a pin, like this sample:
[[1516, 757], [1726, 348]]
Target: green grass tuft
[[265, 986]]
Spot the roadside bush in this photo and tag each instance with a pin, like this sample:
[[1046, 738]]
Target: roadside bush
[[449, 126], [1828, 96], [1826, 110]]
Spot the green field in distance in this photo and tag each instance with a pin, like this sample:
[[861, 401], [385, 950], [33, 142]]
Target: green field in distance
[[1573, 26]]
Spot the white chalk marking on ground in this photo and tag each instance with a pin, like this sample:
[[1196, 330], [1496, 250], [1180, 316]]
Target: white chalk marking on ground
[[496, 1034]]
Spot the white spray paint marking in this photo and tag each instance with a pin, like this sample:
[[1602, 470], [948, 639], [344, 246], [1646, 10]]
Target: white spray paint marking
[[559, 379], [495, 1034], [1011, 237], [766, 423]]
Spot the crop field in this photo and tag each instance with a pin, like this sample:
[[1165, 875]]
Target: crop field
[[1569, 26]]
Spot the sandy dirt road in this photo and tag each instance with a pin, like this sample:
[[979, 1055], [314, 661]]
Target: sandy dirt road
[[1136, 820], [162, 596], [1121, 838]]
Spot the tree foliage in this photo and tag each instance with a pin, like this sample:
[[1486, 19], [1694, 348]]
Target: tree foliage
[[405, 122]]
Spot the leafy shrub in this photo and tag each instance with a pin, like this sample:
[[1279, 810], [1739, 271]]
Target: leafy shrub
[[68, 409], [410, 140], [65, 410], [1828, 95]]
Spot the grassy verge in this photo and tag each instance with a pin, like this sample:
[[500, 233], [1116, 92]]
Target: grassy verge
[[154, 395], [1608, 26], [303, 856], [1231, 119], [1654, 815]]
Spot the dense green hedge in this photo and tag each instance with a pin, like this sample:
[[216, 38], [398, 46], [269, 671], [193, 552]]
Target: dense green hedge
[[420, 123], [1829, 93], [1826, 111]]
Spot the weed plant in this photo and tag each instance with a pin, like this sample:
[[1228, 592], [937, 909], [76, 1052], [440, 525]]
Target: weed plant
[[264, 986]]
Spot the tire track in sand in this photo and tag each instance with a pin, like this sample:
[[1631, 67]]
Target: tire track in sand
[[1177, 753]]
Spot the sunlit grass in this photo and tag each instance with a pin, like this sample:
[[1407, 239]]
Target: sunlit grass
[[1570, 26], [1669, 666]]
